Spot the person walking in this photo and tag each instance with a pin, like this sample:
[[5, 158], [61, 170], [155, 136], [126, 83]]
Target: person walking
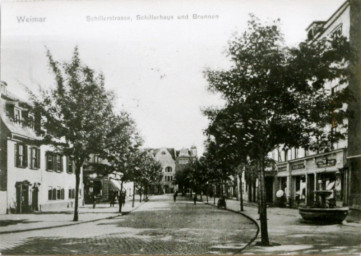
[[175, 196], [112, 198]]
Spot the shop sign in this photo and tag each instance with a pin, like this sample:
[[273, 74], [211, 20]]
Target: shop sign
[[282, 169], [326, 163], [297, 166]]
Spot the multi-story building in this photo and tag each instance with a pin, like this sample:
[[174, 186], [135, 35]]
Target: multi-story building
[[101, 185], [299, 171], [33, 176]]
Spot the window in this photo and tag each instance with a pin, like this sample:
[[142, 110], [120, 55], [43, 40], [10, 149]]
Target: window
[[168, 169], [49, 161], [17, 115], [54, 194], [59, 163], [50, 194], [58, 193], [62, 194], [54, 162], [21, 155], [31, 122], [337, 32], [35, 158], [69, 164]]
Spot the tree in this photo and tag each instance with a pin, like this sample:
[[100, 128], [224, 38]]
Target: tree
[[122, 143], [277, 96], [76, 112]]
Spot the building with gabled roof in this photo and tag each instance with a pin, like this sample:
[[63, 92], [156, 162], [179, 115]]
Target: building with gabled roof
[[33, 176]]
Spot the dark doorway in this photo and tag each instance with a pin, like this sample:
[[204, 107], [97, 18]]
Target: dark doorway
[[269, 189], [35, 201], [22, 197]]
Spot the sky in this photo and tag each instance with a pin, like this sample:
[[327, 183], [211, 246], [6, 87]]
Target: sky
[[154, 67]]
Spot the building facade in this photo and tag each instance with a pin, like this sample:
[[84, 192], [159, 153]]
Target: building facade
[[33, 176], [300, 172], [172, 161], [99, 185]]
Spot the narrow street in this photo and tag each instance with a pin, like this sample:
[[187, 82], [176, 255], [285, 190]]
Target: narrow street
[[159, 226]]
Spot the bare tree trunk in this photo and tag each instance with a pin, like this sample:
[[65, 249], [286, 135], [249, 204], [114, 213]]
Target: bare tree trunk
[[241, 192], [133, 194], [77, 182], [262, 204], [120, 200], [207, 192]]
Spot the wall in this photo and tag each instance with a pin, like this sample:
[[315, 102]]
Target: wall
[[45, 178]]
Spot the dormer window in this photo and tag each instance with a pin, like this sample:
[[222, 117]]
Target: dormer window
[[17, 115], [31, 121], [337, 32]]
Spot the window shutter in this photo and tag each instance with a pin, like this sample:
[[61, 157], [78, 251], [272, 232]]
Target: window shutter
[[47, 160], [16, 154], [25, 156], [38, 158]]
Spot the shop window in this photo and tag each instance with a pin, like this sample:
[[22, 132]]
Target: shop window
[[35, 158], [21, 155]]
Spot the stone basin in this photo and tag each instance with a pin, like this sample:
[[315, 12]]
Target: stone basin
[[324, 215]]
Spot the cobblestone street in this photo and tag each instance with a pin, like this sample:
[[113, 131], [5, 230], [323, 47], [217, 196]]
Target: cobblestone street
[[159, 226]]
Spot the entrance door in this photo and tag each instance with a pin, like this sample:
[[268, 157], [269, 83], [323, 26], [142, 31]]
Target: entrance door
[[35, 202], [310, 189], [22, 197]]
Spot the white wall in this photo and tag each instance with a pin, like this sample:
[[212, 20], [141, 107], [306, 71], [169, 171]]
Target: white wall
[[62, 180]]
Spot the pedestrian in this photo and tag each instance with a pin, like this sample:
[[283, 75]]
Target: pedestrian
[[175, 196], [123, 193], [112, 198]]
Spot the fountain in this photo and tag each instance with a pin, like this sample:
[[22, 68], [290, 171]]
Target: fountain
[[324, 210]]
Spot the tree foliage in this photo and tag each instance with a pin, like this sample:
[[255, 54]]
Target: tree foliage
[[76, 112], [276, 96]]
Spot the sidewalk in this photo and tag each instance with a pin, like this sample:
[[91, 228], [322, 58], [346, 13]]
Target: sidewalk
[[291, 235], [10, 223]]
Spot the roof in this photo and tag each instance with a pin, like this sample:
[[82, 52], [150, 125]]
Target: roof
[[16, 128]]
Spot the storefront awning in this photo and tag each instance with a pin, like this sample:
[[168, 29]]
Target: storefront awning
[[114, 185]]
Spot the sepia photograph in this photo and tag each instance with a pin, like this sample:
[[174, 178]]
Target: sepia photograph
[[179, 127]]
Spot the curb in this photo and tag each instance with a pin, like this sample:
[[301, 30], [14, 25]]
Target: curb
[[69, 224], [248, 217]]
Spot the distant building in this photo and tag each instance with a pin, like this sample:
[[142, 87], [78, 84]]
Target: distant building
[[171, 161], [101, 184], [33, 176]]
